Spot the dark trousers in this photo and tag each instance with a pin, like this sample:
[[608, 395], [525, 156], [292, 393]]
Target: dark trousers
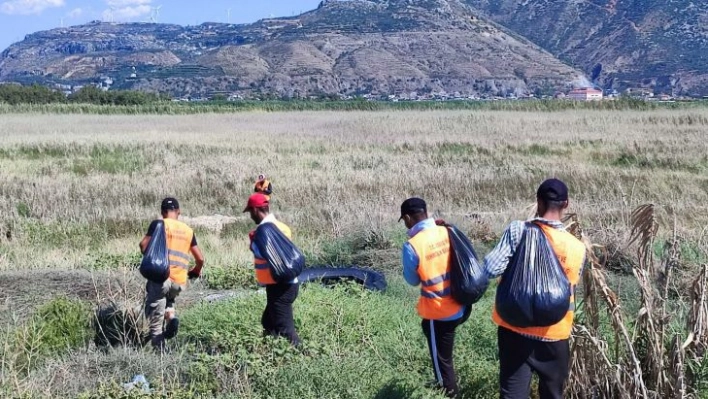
[[277, 317], [520, 357], [441, 339]]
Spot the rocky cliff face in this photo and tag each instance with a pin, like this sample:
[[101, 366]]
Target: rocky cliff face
[[658, 44], [342, 47]]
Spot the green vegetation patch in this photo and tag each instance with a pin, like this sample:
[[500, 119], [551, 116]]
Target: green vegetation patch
[[375, 249], [37, 151], [230, 277], [456, 153], [651, 160], [368, 162], [461, 149], [83, 160], [88, 101], [539, 150], [56, 328], [357, 344], [67, 234], [111, 160]]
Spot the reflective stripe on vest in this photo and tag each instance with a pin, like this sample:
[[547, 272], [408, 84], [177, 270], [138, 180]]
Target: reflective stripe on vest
[[179, 244], [436, 280], [178, 258], [263, 274], [436, 294], [432, 246], [571, 254]]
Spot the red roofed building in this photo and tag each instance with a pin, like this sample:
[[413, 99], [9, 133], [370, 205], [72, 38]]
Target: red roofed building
[[585, 94]]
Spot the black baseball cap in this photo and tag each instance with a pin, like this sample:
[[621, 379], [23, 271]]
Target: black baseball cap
[[412, 206], [169, 204], [552, 190]]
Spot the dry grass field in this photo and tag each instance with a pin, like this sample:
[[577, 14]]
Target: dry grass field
[[78, 191]]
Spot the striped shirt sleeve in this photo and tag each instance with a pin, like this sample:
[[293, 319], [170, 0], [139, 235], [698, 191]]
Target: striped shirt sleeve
[[496, 262]]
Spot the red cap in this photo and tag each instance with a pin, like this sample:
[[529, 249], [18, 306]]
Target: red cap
[[256, 200]]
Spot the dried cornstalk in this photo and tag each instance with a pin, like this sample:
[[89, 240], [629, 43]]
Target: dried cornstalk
[[678, 388], [697, 341], [643, 364], [593, 373], [644, 229], [649, 334]]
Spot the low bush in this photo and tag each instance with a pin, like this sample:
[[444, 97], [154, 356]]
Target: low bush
[[230, 277], [56, 328]]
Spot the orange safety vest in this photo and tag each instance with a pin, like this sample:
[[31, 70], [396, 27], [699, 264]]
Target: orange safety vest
[[262, 186], [571, 254], [433, 249], [263, 274], [179, 245]]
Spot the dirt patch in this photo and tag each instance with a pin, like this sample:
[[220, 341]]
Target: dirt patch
[[23, 291], [213, 223]]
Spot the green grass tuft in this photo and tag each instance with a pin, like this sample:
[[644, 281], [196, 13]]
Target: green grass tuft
[[57, 327]]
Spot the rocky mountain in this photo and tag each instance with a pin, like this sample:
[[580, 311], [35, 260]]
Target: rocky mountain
[[657, 44], [343, 47]]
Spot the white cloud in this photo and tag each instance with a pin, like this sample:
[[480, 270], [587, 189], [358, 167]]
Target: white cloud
[[127, 3], [125, 10], [27, 7], [75, 13], [126, 13]]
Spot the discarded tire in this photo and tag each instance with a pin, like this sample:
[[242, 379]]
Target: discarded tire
[[370, 279]]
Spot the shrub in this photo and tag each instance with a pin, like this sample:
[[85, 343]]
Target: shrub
[[58, 327], [229, 277]]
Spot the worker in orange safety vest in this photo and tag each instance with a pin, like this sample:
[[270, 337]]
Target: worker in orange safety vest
[[263, 186], [426, 262], [181, 248], [543, 350], [277, 319]]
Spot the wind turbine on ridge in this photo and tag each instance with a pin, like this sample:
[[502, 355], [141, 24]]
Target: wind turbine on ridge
[[111, 12], [155, 13]]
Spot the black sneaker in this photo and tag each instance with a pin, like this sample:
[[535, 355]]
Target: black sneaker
[[158, 344], [171, 328]]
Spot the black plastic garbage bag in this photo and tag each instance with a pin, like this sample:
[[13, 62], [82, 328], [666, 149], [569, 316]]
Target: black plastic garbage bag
[[155, 265], [284, 258], [468, 281], [534, 290]]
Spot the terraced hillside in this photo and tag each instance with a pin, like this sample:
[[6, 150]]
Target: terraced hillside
[[655, 44], [345, 47]]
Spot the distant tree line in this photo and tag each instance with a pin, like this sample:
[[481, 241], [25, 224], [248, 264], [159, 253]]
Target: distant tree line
[[36, 94]]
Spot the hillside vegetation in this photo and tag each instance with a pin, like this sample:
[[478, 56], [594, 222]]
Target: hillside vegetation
[[655, 44], [396, 47], [342, 47]]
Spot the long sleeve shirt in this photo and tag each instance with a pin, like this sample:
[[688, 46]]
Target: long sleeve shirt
[[254, 248], [496, 262], [411, 261]]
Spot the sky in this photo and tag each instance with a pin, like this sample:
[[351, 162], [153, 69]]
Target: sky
[[21, 17]]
